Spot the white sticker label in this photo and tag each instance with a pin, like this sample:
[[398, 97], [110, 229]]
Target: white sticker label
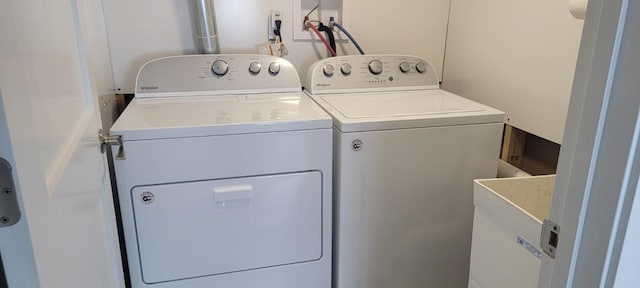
[[532, 249]]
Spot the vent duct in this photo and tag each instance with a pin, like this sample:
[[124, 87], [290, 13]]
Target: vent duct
[[206, 34]]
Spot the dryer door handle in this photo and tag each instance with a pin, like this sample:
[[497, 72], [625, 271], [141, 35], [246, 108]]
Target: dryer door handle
[[231, 193]]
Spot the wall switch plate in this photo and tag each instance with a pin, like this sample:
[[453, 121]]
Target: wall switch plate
[[275, 15]]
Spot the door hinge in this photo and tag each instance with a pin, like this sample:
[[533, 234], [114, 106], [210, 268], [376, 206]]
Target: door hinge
[[107, 140], [549, 238], [9, 209]]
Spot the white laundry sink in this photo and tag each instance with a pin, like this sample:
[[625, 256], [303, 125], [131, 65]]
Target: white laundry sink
[[509, 212]]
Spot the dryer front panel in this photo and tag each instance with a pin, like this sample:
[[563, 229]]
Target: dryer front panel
[[212, 227]]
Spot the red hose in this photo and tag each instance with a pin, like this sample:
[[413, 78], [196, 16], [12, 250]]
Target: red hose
[[324, 40]]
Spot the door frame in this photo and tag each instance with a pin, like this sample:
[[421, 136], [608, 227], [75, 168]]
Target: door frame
[[599, 164]]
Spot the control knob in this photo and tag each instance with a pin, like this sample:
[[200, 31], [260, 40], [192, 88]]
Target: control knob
[[274, 68], [220, 67], [345, 69], [405, 67], [422, 67], [375, 66], [327, 69], [255, 68]]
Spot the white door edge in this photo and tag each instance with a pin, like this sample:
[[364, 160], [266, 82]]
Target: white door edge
[[599, 127], [23, 272]]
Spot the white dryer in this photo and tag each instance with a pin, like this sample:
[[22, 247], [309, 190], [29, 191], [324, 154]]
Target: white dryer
[[405, 156], [226, 176]]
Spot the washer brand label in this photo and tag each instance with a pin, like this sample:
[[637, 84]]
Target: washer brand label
[[532, 249], [356, 145], [149, 87], [147, 197], [323, 85]]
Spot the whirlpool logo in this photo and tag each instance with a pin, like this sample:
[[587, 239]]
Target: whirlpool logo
[[149, 87], [323, 85]]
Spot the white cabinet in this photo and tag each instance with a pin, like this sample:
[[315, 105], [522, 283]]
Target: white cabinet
[[505, 250]]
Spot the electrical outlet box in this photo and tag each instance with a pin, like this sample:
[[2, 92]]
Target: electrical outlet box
[[275, 15], [338, 9]]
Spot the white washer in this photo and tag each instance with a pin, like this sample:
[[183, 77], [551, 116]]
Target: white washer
[[227, 176], [405, 156]]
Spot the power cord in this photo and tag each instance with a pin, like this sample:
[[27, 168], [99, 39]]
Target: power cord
[[329, 32], [277, 30]]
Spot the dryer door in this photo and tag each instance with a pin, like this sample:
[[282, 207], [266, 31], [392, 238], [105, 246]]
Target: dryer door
[[204, 228]]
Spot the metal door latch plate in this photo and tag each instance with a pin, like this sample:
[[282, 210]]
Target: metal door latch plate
[[549, 238], [9, 209]]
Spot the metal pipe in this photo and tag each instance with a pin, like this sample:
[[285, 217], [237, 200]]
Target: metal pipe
[[206, 33]]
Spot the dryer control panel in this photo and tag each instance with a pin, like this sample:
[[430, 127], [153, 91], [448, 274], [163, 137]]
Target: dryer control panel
[[216, 74], [368, 73]]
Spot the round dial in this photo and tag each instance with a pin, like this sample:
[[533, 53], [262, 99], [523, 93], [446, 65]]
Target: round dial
[[345, 69], [422, 67], [220, 67], [375, 66], [405, 67], [327, 69], [274, 68], [255, 68]]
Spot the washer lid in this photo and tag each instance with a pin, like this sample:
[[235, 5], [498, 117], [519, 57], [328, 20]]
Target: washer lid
[[159, 118], [375, 105], [404, 109]]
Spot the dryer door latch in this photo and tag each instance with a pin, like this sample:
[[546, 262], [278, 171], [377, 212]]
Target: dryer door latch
[[107, 140]]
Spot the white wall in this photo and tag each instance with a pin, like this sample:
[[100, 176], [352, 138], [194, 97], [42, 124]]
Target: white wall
[[99, 62], [145, 29], [516, 55]]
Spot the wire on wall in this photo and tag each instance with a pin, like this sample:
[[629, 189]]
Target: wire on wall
[[314, 9], [278, 48]]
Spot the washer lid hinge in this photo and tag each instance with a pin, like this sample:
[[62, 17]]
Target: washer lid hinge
[[107, 140]]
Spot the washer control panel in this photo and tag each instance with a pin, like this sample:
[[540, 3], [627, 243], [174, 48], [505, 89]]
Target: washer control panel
[[370, 73], [215, 74]]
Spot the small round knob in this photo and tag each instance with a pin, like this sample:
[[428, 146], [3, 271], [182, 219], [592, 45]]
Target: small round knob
[[405, 67], [327, 69], [375, 66], [345, 69], [255, 68], [274, 68], [422, 67], [220, 67]]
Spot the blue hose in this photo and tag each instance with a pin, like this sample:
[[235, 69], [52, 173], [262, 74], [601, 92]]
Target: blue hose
[[355, 43]]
